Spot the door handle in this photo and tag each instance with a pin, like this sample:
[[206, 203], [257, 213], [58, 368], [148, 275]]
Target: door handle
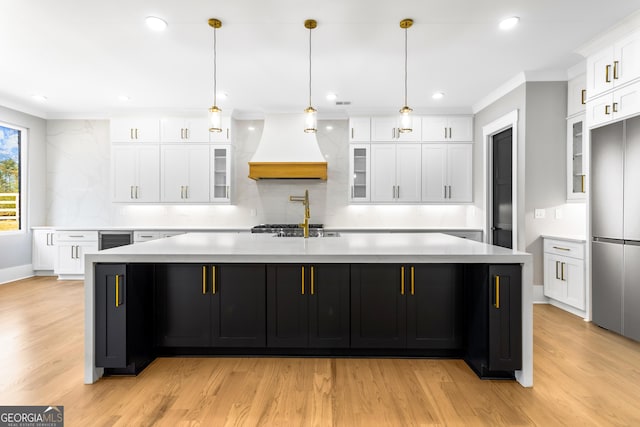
[[313, 288], [351, 133], [302, 279], [615, 70], [213, 280], [562, 272], [413, 281], [118, 298], [557, 262], [607, 77], [402, 280], [496, 304]]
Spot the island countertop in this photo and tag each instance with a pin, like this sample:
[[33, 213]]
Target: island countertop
[[346, 248]]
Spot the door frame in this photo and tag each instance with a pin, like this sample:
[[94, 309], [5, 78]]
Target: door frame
[[505, 122]]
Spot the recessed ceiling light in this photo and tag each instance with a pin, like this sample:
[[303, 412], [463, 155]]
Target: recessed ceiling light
[[39, 98], [332, 96], [437, 95], [156, 24], [329, 127], [509, 23], [251, 128], [124, 98]]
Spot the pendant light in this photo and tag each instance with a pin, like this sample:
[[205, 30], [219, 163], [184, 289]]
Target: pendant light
[[311, 117], [405, 111], [215, 112]]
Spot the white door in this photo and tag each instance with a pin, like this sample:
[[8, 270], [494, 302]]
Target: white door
[[626, 101], [460, 129], [197, 129], [599, 72], [44, 250], [460, 173], [408, 172], [185, 173], [434, 166], [553, 285], [124, 172], [435, 128], [383, 172], [627, 53], [384, 128], [359, 129], [148, 173]]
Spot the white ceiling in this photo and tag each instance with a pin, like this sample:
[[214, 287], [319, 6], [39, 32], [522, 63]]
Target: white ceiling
[[83, 54]]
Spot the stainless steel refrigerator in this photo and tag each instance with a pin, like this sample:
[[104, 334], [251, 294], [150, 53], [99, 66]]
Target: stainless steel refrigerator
[[615, 220]]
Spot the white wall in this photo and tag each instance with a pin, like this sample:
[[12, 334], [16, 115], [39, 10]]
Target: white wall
[[16, 247], [78, 188]]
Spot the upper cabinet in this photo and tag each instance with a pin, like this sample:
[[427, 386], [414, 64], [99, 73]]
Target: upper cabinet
[[220, 173], [360, 172], [359, 129], [447, 129], [576, 161], [614, 66], [135, 173], [182, 129], [135, 130], [386, 129], [447, 173], [576, 95], [225, 135], [613, 106], [185, 173], [395, 173]]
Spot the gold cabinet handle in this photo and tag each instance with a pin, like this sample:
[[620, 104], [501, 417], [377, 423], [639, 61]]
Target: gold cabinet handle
[[204, 279], [562, 272], [607, 78], [615, 107], [607, 109], [213, 279], [313, 290], [118, 302], [413, 281], [302, 279], [615, 69], [583, 183], [497, 287], [583, 97], [402, 280]]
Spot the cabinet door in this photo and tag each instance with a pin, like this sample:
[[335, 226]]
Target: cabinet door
[[239, 304], [435, 128], [71, 257], [288, 286], [359, 129], [329, 306], [383, 172], [435, 306], [183, 305], [416, 131], [572, 273], [576, 95], [135, 130], [378, 306], [173, 129], [111, 315], [553, 285], [627, 54], [599, 110], [185, 173], [460, 129], [505, 318], [460, 173], [626, 101], [359, 172], [135, 173], [197, 129], [599, 72], [220, 173], [43, 250], [225, 135], [384, 128], [576, 165], [434, 169], [408, 172]]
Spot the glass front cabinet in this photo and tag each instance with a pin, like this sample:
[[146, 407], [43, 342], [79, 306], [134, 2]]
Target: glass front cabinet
[[576, 163], [220, 173], [359, 173]]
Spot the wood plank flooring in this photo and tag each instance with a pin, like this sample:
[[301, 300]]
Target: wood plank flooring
[[583, 376]]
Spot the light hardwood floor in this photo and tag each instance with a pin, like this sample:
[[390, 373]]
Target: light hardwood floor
[[583, 375]]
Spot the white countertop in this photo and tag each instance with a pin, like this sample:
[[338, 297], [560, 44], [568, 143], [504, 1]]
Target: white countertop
[[348, 247]]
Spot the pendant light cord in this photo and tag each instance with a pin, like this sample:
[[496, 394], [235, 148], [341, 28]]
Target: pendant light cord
[[309, 67], [405, 66], [214, 66]]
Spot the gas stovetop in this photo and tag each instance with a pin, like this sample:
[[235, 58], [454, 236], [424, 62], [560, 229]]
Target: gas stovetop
[[287, 230]]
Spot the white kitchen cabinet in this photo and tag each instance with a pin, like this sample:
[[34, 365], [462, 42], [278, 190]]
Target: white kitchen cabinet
[[387, 129], [447, 128], [135, 130], [360, 172], [220, 173], [395, 173], [614, 106], [576, 162], [145, 236], [576, 95], [447, 173], [135, 173], [564, 273], [180, 129], [225, 135], [613, 66], [71, 247], [359, 129], [184, 173], [43, 254]]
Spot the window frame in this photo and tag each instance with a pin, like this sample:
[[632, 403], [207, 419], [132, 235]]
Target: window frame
[[22, 176]]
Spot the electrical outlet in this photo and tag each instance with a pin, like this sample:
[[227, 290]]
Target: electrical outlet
[[539, 213]]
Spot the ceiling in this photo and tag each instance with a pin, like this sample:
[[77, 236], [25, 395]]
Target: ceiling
[[82, 55]]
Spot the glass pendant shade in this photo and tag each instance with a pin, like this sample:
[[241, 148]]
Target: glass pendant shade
[[406, 120], [215, 116], [310, 120]]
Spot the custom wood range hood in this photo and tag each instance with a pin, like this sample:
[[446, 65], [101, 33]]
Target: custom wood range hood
[[285, 151]]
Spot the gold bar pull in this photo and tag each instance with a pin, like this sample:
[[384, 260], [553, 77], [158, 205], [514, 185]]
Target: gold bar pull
[[607, 78], [313, 288], [607, 109], [497, 304], [615, 69], [402, 280], [583, 97], [302, 280], [204, 279], [583, 183], [413, 281], [213, 279], [615, 107], [117, 290], [562, 272]]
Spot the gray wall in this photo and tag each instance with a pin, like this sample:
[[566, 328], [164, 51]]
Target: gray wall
[[16, 247]]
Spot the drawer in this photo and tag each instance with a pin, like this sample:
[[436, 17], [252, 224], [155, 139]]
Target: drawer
[[564, 248], [144, 236], [77, 236]]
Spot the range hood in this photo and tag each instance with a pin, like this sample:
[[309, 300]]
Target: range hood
[[286, 151]]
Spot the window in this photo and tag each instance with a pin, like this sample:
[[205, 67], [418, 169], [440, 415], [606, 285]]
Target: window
[[10, 185]]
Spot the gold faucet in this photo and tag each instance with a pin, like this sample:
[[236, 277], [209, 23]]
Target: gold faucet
[[307, 215]]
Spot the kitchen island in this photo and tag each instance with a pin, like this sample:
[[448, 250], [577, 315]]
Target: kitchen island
[[404, 261]]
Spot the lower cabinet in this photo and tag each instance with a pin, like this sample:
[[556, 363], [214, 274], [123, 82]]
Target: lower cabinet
[[407, 306], [494, 319], [210, 305], [308, 305], [123, 316]]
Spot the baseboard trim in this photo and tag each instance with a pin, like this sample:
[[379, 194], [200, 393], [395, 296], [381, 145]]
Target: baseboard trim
[[11, 274], [538, 295]]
